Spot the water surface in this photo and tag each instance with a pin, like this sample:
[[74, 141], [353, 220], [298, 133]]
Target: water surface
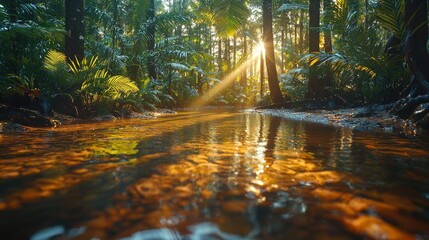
[[212, 175]]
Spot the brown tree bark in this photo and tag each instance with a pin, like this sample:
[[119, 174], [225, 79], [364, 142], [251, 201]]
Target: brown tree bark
[[234, 51], [327, 45], [74, 39], [314, 87], [417, 60], [12, 6], [416, 37], [273, 82], [243, 80], [282, 54], [227, 54], [301, 32], [219, 55], [151, 67], [261, 74]]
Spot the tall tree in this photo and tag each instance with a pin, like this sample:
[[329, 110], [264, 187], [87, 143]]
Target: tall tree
[[417, 59], [243, 80], [273, 82], [74, 40], [151, 67], [416, 37], [327, 43], [261, 73], [12, 10], [314, 84]]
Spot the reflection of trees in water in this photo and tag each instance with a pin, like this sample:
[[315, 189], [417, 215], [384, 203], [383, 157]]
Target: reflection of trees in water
[[272, 137], [259, 172]]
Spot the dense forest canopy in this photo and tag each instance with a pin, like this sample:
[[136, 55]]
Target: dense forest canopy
[[128, 55]]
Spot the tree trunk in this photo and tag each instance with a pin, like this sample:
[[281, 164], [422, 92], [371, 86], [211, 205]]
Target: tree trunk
[[417, 59], [366, 15], [151, 67], [199, 84], [296, 36], [243, 81], [416, 37], [327, 45], [301, 32], [219, 55], [273, 82], [261, 73], [115, 23], [314, 87], [74, 39], [12, 11], [282, 53], [234, 51], [227, 54], [251, 70]]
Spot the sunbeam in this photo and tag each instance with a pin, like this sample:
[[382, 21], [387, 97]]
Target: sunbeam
[[260, 48], [227, 80]]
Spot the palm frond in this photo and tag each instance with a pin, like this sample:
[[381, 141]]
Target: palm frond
[[390, 15], [121, 85], [14, 84], [3, 14], [28, 9], [229, 15], [54, 60], [77, 66], [170, 20], [177, 66], [291, 7]]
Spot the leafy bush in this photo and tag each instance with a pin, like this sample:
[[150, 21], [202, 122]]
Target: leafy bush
[[86, 79]]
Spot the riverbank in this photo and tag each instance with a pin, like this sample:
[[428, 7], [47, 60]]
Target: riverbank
[[13, 119], [372, 118]]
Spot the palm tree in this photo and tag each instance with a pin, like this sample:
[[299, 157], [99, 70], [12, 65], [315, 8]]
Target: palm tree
[[273, 82]]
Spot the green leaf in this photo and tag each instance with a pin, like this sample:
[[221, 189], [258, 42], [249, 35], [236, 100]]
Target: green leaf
[[54, 60]]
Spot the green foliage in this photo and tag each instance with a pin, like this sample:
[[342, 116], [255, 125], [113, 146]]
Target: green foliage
[[187, 60], [229, 15], [292, 6], [361, 69], [16, 85], [88, 79], [294, 83], [390, 15]]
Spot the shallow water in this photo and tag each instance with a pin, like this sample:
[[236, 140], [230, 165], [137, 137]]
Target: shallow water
[[212, 175]]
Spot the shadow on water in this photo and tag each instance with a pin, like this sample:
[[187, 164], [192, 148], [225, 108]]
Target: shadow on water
[[221, 175]]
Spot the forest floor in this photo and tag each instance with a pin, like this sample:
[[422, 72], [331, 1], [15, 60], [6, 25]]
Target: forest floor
[[372, 118]]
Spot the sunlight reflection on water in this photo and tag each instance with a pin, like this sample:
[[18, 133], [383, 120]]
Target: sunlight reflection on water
[[219, 175]]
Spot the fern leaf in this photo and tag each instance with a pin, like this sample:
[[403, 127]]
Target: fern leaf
[[121, 85], [54, 60]]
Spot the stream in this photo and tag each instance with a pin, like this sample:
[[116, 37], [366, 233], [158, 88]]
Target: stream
[[219, 174]]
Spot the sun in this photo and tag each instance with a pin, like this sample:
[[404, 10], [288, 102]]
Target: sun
[[260, 48]]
